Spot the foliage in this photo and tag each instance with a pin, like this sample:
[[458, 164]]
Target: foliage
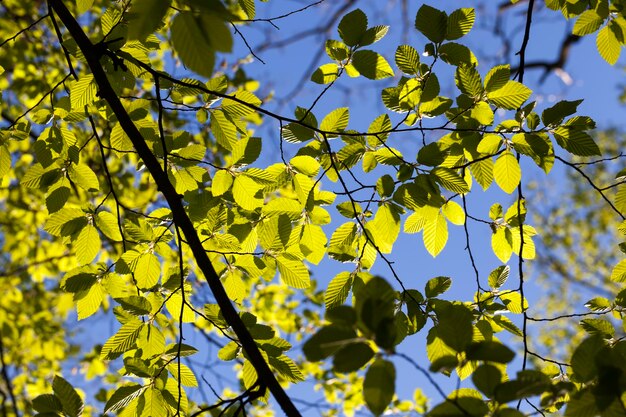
[[139, 197]]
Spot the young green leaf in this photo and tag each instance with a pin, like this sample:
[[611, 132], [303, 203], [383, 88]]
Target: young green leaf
[[460, 22], [608, 44], [325, 74], [588, 22], [407, 59], [510, 96], [435, 234], [87, 244], [507, 172]]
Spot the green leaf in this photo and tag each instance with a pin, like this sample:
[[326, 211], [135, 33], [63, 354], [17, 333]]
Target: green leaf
[[608, 44], [338, 289], [154, 403], [229, 352], [306, 165], [450, 180], [136, 305], [576, 141], [510, 96], [5, 160], [245, 191], [336, 50], [48, 403], [352, 27], [84, 177], [432, 23], [584, 358], [454, 212], [497, 77], [223, 129], [66, 222], [379, 385], [326, 341], [121, 341], [352, 357], [486, 378], [192, 42], [455, 326], [187, 377], [122, 397], [313, 243], [407, 59], [460, 22], [245, 151], [371, 65], [336, 121], [588, 22], [292, 271], [410, 94], [468, 80], [502, 243], [286, 368], [437, 286], [619, 272], [435, 234], [491, 351], [456, 54], [385, 227], [88, 301], [108, 225], [87, 245], [147, 270], [498, 276], [513, 302], [83, 92], [222, 181], [145, 17], [248, 8], [553, 116], [507, 172], [325, 74], [373, 35], [71, 401], [83, 6]]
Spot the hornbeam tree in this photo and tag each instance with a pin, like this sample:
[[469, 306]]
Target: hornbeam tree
[[177, 242]]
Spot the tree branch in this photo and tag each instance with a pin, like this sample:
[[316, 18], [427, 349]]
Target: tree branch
[[174, 200]]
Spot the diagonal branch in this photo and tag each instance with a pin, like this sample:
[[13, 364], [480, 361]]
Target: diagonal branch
[[174, 200]]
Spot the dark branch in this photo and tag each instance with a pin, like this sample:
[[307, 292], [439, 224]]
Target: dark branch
[[181, 219]]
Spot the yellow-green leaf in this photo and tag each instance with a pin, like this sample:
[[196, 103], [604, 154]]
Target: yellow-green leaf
[[292, 271], [147, 270], [609, 46], [84, 177], [507, 172], [87, 244], [371, 65], [88, 301], [187, 377], [435, 234], [83, 92]]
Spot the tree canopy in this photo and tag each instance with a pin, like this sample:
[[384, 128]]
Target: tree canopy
[[178, 241]]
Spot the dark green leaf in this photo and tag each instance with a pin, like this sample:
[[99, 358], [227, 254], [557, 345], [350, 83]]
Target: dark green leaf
[[379, 386], [352, 357]]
